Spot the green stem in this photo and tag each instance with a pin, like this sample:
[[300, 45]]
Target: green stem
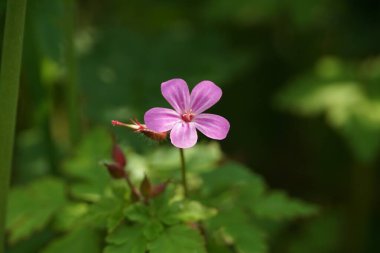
[[71, 73], [9, 88], [183, 172]]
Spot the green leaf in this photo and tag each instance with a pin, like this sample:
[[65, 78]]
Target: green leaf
[[158, 208], [77, 241], [239, 229], [91, 177], [244, 206], [322, 234], [178, 238], [234, 178], [70, 215], [31, 207], [152, 229], [138, 213], [126, 239], [336, 90], [277, 206], [192, 211], [134, 247], [106, 213]]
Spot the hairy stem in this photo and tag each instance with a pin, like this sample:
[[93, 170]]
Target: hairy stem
[[135, 194], [183, 172], [9, 88]]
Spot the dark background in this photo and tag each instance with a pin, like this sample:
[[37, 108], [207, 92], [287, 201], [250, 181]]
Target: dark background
[[275, 61]]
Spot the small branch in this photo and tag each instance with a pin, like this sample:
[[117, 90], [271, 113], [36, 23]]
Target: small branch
[[9, 88], [183, 172]]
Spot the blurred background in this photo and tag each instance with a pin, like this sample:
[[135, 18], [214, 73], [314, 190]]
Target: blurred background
[[301, 83]]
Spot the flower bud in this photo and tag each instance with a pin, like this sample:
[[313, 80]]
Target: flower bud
[[118, 156], [116, 167], [149, 191], [158, 189], [141, 128], [116, 171]]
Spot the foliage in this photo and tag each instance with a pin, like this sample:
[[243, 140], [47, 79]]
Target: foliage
[[32, 207], [229, 206], [348, 96]]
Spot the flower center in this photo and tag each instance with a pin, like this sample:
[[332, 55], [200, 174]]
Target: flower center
[[187, 117]]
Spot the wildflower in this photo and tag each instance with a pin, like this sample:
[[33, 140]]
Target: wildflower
[[188, 116], [141, 128]]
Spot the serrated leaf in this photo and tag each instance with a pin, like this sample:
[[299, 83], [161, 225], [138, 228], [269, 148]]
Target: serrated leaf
[[233, 177], [123, 234], [32, 206], [158, 208], [238, 229], [77, 241], [137, 247], [107, 212], [152, 229], [138, 213], [126, 239], [234, 191], [277, 206], [178, 238]]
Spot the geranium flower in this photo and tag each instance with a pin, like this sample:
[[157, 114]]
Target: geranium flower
[[188, 116]]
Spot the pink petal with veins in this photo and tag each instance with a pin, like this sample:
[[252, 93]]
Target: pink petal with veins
[[213, 126]]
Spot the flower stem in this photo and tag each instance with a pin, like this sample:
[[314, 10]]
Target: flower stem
[[183, 171], [135, 194], [9, 87]]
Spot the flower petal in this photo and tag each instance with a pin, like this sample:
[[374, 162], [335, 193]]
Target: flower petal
[[184, 135], [204, 95], [161, 119], [176, 92], [213, 126]]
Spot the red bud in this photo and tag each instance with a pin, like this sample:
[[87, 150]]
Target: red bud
[[118, 156], [141, 128], [158, 189], [115, 170], [156, 136]]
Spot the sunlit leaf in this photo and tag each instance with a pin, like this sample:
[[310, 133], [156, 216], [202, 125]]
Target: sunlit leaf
[[334, 90], [191, 211]]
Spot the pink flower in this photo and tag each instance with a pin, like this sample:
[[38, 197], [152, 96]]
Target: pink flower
[[188, 116]]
